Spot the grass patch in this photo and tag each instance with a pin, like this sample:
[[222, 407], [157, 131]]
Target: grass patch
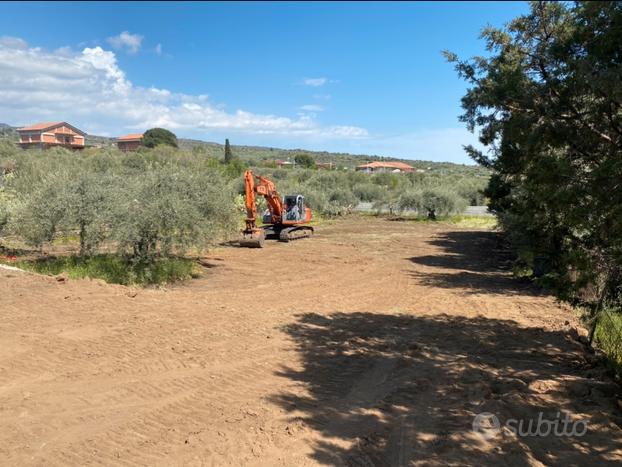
[[114, 269], [608, 336], [460, 220], [469, 221], [70, 239]]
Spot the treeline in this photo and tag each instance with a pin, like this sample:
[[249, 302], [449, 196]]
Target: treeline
[[144, 204], [548, 102], [163, 201], [335, 193]]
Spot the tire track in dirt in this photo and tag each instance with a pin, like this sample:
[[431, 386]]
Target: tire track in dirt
[[371, 344]]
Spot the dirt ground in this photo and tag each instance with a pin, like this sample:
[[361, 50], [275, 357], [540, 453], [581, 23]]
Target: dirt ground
[[375, 343]]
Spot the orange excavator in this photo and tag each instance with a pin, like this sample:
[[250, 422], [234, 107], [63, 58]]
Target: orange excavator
[[283, 219]]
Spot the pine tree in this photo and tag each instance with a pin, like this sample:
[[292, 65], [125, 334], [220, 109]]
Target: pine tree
[[228, 153]]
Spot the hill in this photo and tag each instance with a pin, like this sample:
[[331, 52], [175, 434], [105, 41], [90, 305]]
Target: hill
[[261, 154]]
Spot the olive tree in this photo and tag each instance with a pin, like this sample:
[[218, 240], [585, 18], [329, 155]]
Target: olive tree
[[433, 202], [41, 211], [166, 210], [5, 210], [89, 201]]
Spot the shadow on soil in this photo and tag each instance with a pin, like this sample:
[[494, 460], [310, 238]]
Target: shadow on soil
[[392, 390], [479, 261], [387, 390]]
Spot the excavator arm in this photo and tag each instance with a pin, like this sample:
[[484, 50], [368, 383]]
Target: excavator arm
[[253, 236], [267, 189]]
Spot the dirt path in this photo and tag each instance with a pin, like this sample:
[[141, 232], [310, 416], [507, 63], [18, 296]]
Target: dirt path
[[376, 343]]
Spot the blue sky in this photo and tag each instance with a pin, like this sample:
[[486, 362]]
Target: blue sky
[[358, 77]]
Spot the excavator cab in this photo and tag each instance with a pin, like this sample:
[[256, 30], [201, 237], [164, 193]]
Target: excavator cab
[[294, 207]]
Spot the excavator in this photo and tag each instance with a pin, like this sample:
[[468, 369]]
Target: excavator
[[284, 219]]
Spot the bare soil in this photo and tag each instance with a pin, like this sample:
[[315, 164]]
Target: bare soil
[[374, 343]]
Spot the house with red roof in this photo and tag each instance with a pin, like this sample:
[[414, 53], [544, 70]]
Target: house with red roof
[[49, 134], [130, 142], [378, 167]]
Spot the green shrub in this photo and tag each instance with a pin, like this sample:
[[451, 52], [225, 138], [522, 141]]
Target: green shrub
[[432, 202], [116, 270], [159, 136], [4, 211], [367, 192], [304, 160]]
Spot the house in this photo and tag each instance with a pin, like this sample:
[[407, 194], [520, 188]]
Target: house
[[378, 167], [324, 165], [49, 134], [130, 142], [281, 164]]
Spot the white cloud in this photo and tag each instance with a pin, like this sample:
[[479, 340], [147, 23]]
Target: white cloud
[[158, 49], [64, 51], [89, 89], [315, 82], [349, 131], [130, 42], [312, 108], [13, 42]]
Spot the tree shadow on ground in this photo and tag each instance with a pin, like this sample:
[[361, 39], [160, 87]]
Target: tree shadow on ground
[[473, 251], [475, 261], [385, 390]]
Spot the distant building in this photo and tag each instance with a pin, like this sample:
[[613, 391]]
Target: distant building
[[281, 164], [130, 142], [324, 165], [49, 134], [379, 167]]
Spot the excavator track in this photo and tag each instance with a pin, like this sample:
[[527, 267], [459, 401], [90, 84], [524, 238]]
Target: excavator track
[[295, 233]]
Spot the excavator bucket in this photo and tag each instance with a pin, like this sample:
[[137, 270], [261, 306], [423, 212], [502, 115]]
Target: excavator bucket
[[254, 239]]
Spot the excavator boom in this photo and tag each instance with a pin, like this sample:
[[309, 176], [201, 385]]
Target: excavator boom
[[285, 221]]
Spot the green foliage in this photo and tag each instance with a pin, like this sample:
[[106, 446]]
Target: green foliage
[[235, 168], [547, 102], [147, 204], [608, 336], [167, 209], [304, 160], [5, 210], [88, 200], [441, 203], [228, 153], [367, 192], [390, 199], [158, 203], [114, 269], [334, 193], [159, 136], [432, 202], [473, 222], [42, 209]]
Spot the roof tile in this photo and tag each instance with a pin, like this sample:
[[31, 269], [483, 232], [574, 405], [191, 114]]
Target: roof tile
[[131, 137]]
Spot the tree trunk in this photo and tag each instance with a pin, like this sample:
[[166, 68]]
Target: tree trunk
[[82, 238]]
